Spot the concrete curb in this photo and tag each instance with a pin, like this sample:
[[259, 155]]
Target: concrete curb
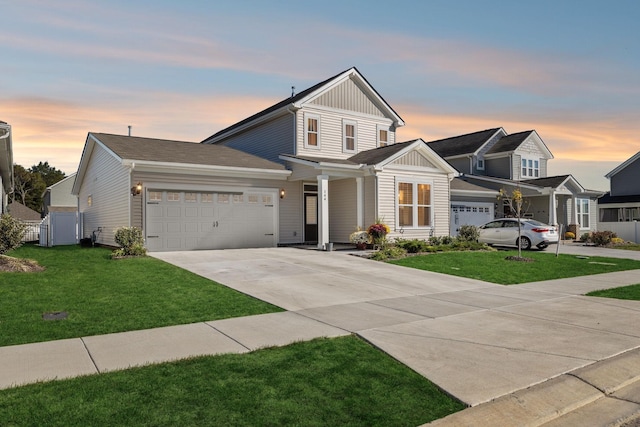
[[605, 393]]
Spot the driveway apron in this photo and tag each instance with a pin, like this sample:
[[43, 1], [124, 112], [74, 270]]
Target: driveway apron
[[476, 340]]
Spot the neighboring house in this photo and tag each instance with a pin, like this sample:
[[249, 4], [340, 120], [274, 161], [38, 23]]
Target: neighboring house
[[309, 169], [6, 166], [27, 215], [491, 160], [619, 209], [60, 210], [58, 197], [338, 139]]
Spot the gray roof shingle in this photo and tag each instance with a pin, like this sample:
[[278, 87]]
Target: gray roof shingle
[[510, 142], [162, 150], [463, 144]]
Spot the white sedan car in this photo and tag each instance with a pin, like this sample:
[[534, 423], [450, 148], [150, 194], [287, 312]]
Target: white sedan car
[[504, 232]]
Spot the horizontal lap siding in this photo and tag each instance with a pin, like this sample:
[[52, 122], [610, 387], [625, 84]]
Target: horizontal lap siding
[[441, 205], [331, 134], [342, 209], [107, 181], [268, 141]]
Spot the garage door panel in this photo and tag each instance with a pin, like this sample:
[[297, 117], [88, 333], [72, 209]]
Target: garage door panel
[[211, 220]]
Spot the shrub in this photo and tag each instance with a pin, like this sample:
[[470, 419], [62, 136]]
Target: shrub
[[602, 238], [446, 240], [11, 233], [413, 246], [435, 240], [584, 238], [569, 235], [130, 241], [389, 253], [617, 241], [468, 233]]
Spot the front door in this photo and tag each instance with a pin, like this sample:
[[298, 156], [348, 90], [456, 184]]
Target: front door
[[311, 217]]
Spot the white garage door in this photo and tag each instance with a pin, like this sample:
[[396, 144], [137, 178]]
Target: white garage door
[[187, 220], [469, 213]]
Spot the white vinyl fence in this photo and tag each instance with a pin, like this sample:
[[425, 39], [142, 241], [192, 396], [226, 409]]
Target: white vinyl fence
[[629, 231]]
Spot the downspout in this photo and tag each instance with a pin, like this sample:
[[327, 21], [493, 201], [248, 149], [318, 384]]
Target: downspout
[[131, 168]]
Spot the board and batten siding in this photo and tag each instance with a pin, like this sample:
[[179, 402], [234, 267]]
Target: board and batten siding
[[107, 183], [388, 202], [330, 133], [348, 96], [268, 140], [626, 182], [342, 209]]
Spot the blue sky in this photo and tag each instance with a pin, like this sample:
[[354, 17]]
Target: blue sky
[[184, 70]]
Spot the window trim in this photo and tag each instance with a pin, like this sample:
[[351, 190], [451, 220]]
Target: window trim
[[415, 182], [379, 141], [580, 214], [525, 167], [316, 117], [346, 123]]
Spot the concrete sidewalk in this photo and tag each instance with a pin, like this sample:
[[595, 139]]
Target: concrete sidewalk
[[494, 347]]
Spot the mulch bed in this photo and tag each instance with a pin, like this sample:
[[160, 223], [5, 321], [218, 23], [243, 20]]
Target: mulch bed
[[19, 265]]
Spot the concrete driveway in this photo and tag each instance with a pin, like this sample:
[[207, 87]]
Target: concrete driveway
[[478, 341]]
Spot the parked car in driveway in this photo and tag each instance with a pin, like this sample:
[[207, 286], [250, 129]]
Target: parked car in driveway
[[504, 232]]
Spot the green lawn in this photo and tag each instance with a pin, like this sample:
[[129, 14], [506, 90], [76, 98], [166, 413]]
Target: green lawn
[[493, 267], [631, 292], [103, 295], [331, 382]]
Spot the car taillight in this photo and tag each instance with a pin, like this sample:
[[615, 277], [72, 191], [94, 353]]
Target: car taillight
[[540, 230]]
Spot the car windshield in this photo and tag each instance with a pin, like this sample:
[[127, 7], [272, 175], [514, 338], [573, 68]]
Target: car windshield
[[534, 222]]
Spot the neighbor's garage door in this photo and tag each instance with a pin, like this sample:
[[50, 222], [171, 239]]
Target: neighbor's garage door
[[469, 213], [187, 220]]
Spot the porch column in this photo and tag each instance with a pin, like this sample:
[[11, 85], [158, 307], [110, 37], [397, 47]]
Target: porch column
[[323, 211], [553, 209], [360, 202]]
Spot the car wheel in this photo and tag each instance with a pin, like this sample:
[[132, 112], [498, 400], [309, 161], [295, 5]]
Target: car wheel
[[525, 243]]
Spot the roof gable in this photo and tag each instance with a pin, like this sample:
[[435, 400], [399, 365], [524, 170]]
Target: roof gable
[[510, 143], [624, 165], [467, 144], [310, 95]]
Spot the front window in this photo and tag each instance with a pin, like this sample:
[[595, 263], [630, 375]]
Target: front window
[[583, 212], [530, 168], [383, 137], [414, 204], [349, 138], [311, 131]]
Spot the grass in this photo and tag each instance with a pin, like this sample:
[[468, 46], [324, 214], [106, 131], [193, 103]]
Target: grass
[[341, 381], [631, 292], [103, 296], [492, 266]]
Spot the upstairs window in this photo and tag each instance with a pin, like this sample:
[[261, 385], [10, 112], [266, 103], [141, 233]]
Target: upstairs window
[[383, 137], [311, 131], [349, 138], [480, 164], [530, 168]]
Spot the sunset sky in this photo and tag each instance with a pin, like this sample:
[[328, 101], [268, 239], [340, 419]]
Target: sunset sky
[[186, 69]]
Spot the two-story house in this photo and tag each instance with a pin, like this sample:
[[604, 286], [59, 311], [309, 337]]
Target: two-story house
[[309, 169], [491, 160], [338, 138], [619, 208], [6, 166]]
